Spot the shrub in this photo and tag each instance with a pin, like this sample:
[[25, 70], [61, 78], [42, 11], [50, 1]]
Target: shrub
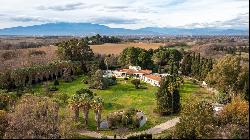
[[38, 118], [236, 112], [28, 90], [99, 82], [223, 98], [168, 134], [141, 136], [61, 98], [85, 82], [53, 88], [33, 117], [113, 78], [136, 82], [4, 101], [67, 127], [3, 123], [110, 81], [126, 78], [6, 81], [125, 118], [196, 121], [7, 100], [194, 81], [56, 83], [9, 55], [36, 52]]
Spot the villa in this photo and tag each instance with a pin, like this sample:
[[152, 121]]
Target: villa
[[133, 71], [136, 72], [152, 79]]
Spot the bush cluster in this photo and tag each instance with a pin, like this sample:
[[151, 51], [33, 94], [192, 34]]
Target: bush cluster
[[125, 118]]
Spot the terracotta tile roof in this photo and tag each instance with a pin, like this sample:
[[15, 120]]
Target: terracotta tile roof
[[131, 71], [145, 71], [154, 77]]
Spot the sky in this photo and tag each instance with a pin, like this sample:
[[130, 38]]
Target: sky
[[129, 14]]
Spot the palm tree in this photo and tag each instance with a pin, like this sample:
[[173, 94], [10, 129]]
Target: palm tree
[[86, 96], [97, 104], [75, 105]]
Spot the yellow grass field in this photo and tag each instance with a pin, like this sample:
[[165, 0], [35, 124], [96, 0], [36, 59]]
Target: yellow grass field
[[109, 48]]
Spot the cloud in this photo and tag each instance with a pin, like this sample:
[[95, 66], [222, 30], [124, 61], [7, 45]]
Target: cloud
[[116, 7], [31, 19], [113, 20], [131, 14], [66, 7], [241, 21], [174, 2], [26, 19]]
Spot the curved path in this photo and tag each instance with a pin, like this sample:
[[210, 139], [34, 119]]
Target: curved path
[[154, 130]]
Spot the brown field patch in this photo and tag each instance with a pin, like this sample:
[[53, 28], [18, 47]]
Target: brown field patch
[[26, 57], [109, 48]]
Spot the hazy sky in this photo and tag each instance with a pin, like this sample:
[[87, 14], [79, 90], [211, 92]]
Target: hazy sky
[[130, 14]]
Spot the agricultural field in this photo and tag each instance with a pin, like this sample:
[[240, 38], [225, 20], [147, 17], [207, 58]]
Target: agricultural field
[[109, 48], [30, 56], [27, 57], [123, 96]]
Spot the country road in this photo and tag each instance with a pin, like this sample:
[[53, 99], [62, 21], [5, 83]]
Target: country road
[[154, 130]]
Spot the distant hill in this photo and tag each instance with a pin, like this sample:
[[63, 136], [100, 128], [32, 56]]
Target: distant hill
[[196, 31], [77, 29]]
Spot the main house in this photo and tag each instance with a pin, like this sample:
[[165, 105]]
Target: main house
[[136, 72]]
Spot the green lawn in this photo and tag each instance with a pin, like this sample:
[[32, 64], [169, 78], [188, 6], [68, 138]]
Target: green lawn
[[190, 90], [68, 88], [123, 96]]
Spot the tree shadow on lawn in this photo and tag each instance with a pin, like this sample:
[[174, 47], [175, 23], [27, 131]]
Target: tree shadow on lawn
[[122, 87], [113, 106]]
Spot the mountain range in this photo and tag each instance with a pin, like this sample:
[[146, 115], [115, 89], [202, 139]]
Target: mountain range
[[83, 29]]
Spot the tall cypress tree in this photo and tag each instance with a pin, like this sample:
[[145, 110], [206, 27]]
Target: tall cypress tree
[[168, 98]]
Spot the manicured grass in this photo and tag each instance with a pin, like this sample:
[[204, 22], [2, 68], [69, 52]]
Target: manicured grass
[[187, 89], [190, 90], [123, 96], [69, 88]]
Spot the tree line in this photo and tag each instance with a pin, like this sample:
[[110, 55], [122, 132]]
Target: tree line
[[98, 39], [196, 66], [21, 77], [232, 50]]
